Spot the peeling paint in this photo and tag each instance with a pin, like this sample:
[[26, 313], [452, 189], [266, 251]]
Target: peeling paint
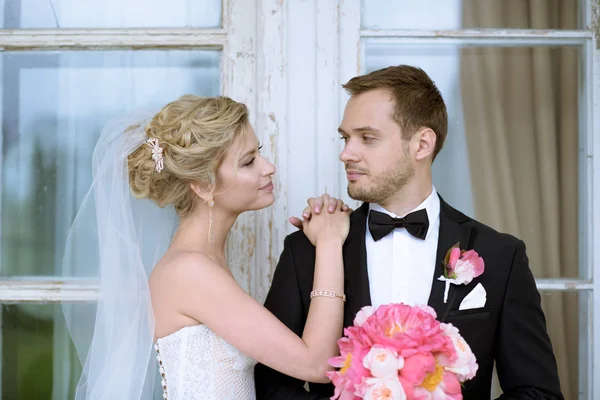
[[476, 33], [96, 39], [548, 285], [239, 72], [596, 22], [54, 291]]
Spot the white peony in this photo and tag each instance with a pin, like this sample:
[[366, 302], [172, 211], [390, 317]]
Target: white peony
[[465, 365], [363, 315], [381, 389], [383, 363]]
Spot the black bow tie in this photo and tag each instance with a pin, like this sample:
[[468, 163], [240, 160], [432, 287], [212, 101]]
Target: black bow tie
[[381, 224]]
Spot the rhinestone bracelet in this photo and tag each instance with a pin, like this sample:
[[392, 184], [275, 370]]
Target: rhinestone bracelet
[[327, 293]]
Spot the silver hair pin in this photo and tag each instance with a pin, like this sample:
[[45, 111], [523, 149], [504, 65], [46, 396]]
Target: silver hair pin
[[157, 154]]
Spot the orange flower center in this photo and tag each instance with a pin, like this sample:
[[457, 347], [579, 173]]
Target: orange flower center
[[394, 329], [461, 345], [382, 393], [432, 380], [347, 363]]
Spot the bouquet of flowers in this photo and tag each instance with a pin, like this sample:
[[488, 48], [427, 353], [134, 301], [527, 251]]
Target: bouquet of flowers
[[401, 352]]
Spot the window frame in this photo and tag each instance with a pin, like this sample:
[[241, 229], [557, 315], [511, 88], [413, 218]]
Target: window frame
[[351, 39], [238, 39]]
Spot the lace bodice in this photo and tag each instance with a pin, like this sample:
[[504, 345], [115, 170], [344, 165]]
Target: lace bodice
[[196, 364]]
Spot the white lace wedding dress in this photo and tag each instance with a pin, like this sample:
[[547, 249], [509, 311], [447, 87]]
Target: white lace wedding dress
[[196, 364]]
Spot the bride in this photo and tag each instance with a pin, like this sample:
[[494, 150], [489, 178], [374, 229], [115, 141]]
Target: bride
[[164, 279]]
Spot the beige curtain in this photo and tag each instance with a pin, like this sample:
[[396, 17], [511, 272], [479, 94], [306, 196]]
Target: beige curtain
[[520, 109]]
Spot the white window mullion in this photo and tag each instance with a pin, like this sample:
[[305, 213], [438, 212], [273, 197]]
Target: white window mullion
[[594, 234], [483, 42], [40, 290], [588, 313], [44, 290], [514, 34], [84, 39], [561, 285]]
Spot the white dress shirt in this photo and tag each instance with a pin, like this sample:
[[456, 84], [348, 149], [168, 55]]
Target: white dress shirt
[[401, 266]]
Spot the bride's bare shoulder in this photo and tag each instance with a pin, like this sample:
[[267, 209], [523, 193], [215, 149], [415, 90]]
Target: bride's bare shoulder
[[184, 266]]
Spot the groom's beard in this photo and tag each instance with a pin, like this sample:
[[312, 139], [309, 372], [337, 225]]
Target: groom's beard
[[382, 187]]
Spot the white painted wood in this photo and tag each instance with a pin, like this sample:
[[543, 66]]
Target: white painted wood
[[524, 34], [314, 90], [328, 91], [239, 82], [480, 42], [552, 285], [272, 130], [43, 291], [79, 39], [587, 187], [257, 237]]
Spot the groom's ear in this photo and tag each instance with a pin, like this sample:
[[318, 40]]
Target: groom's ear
[[426, 139], [204, 191]]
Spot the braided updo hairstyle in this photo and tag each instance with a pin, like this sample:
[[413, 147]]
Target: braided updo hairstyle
[[195, 133]]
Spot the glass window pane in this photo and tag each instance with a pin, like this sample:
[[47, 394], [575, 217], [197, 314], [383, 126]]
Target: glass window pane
[[54, 105], [38, 357], [110, 13], [565, 320], [456, 14], [511, 158]]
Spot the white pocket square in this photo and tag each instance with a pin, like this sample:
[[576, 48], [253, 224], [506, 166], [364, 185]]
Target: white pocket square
[[475, 299]]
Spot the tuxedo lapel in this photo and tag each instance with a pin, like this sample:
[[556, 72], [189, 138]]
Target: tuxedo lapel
[[356, 280], [452, 231]]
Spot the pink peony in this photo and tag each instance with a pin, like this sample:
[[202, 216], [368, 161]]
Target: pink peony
[[464, 269], [351, 370], [417, 367], [410, 329], [476, 262], [401, 352], [460, 270], [441, 385], [461, 267], [454, 256]]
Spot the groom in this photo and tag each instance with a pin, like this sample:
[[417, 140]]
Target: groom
[[394, 125]]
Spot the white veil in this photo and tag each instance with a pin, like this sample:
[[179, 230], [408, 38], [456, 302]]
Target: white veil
[[117, 239]]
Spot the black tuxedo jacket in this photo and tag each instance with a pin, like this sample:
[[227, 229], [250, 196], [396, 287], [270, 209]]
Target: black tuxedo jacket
[[510, 329]]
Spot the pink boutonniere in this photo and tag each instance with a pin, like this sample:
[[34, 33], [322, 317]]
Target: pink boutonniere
[[460, 267]]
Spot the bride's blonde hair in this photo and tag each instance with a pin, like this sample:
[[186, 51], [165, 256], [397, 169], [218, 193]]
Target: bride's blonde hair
[[195, 133]]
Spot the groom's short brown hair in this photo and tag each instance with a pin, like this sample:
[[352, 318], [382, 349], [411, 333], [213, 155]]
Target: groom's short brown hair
[[419, 103]]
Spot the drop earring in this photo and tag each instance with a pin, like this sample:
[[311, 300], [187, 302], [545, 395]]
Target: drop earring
[[211, 236]]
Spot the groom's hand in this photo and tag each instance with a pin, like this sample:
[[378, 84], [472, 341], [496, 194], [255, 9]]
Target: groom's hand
[[316, 205]]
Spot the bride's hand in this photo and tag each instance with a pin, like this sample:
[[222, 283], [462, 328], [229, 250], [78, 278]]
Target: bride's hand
[[315, 205], [331, 225]]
